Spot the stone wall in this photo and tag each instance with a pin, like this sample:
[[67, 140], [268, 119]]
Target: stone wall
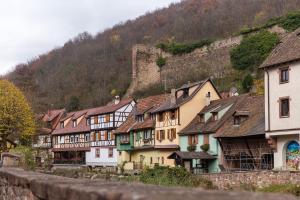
[[16, 184], [225, 181], [212, 60]]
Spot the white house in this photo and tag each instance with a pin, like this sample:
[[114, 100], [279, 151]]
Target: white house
[[103, 121], [282, 101]]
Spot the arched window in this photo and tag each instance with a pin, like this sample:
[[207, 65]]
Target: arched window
[[292, 155]]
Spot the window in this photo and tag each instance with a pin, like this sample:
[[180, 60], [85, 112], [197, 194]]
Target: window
[[72, 139], [74, 123], [173, 114], [61, 124], [103, 135], [201, 118], [97, 153], [214, 116], [185, 93], [87, 138], [237, 120], [147, 135], [161, 117], [160, 135], [110, 152], [88, 121], [193, 139], [284, 107], [77, 138], [140, 118], [171, 134], [124, 139], [284, 75]]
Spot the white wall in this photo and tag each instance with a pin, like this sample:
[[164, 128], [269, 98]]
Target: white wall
[[277, 90], [104, 160]]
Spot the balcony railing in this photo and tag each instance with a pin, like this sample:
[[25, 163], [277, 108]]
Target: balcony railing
[[42, 145], [72, 145]]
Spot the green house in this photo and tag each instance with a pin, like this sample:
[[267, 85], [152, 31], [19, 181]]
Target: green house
[[199, 150]]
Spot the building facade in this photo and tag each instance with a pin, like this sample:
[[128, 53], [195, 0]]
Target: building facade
[[103, 121], [282, 102]]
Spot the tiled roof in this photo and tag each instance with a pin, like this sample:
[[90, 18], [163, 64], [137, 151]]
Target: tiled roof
[[253, 125], [68, 129], [168, 105], [51, 114], [191, 155], [142, 106], [286, 51], [210, 126]]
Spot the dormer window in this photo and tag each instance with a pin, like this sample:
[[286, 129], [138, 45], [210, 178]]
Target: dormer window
[[140, 118], [62, 125], [214, 116], [173, 114], [74, 123], [237, 120], [284, 75], [161, 117], [185, 93], [88, 122], [201, 118]]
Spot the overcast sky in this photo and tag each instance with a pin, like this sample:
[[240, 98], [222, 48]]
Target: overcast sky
[[29, 28]]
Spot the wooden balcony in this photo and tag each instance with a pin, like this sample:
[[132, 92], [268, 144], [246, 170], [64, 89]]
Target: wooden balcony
[[80, 146]]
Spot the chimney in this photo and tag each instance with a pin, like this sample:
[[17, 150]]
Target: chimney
[[117, 100], [208, 99], [173, 96]]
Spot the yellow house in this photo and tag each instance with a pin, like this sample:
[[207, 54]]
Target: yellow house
[[175, 114]]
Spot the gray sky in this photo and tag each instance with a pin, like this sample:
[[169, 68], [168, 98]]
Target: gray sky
[[33, 27]]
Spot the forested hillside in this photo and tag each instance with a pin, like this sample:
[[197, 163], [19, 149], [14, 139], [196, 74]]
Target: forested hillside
[[89, 70]]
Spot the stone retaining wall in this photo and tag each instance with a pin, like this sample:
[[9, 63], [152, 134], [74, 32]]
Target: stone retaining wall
[[258, 179], [16, 184]]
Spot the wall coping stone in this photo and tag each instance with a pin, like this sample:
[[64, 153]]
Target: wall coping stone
[[45, 186]]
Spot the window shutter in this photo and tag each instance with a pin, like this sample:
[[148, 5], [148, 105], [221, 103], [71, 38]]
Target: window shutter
[[174, 133], [196, 139], [206, 139], [163, 135], [157, 135], [105, 135], [107, 118], [96, 119], [190, 139], [169, 136]]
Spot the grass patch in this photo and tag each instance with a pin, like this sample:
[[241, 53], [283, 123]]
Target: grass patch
[[282, 188], [175, 176]]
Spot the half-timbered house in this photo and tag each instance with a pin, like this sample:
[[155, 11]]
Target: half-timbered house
[[103, 121], [136, 138], [176, 113], [42, 139], [71, 138]]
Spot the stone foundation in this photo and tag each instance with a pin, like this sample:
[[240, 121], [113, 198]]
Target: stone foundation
[[16, 184], [225, 181]]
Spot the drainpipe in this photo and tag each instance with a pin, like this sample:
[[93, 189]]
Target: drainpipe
[[268, 87]]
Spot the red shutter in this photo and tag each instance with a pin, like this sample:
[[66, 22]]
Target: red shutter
[[190, 139], [157, 135], [196, 139]]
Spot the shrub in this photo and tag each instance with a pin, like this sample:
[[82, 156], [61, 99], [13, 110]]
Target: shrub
[[282, 188], [175, 176], [161, 61], [291, 21], [253, 50], [179, 48], [247, 83], [27, 156], [191, 148], [205, 147]]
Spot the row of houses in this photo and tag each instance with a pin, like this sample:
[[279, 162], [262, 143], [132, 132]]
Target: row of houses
[[193, 126]]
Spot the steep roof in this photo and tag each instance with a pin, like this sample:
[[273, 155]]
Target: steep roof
[[286, 51], [253, 125], [142, 106], [68, 128], [109, 108], [51, 114], [168, 105], [210, 126]]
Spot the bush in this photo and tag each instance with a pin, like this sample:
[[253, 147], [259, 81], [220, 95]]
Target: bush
[[27, 156], [175, 176], [253, 50], [205, 147], [161, 61], [282, 188], [291, 21], [191, 148], [178, 48], [247, 83]]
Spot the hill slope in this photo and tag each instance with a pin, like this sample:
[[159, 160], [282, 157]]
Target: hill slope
[[91, 68]]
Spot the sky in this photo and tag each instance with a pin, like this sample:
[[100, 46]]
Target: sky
[[33, 27]]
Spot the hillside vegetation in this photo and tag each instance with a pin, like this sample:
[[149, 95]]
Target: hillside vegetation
[[88, 70]]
